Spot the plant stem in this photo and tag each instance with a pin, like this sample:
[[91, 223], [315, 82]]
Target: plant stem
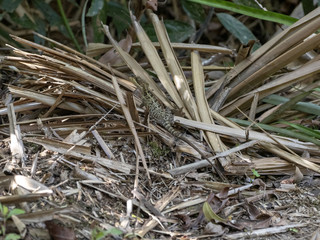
[[66, 23]]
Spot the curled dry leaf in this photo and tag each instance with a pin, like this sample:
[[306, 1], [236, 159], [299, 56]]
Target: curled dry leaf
[[210, 214], [30, 185], [255, 213], [296, 178], [152, 4], [112, 57], [215, 229]]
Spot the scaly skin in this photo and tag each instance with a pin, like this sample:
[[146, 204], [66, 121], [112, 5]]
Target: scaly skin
[[164, 117], [161, 115]]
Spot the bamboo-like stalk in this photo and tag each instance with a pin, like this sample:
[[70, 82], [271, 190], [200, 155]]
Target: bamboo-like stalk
[[176, 71], [128, 117], [204, 110], [158, 66], [138, 70]]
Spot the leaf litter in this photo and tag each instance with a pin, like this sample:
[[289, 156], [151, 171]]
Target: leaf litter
[[76, 155]]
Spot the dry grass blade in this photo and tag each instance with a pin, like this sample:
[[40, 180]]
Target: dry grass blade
[[89, 62], [264, 138], [102, 98], [16, 145], [176, 71], [49, 100], [44, 215], [302, 73], [204, 163], [137, 69], [265, 231], [252, 135], [158, 66], [273, 166], [22, 107], [95, 49], [102, 143], [15, 199], [272, 66], [161, 204], [291, 157], [204, 110], [269, 58], [46, 62], [77, 152], [128, 117]]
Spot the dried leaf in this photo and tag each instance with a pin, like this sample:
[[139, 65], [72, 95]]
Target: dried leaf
[[210, 214], [152, 4], [215, 229], [112, 57]]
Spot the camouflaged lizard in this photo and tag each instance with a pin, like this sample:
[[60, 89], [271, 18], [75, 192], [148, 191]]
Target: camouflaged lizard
[[161, 115], [164, 117]]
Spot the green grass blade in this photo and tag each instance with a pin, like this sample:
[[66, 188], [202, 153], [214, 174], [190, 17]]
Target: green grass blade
[[66, 23], [305, 107], [281, 131], [249, 11], [303, 129], [83, 24], [285, 106]]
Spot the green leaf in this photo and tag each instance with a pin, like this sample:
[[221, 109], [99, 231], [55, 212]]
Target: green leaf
[[15, 211], [255, 173], [306, 107], [281, 131], [303, 129], [294, 230], [51, 15], [98, 36], [194, 10], [115, 231], [210, 214], [249, 11], [5, 210], [12, 236], [120, 16], [9, 5], [307, 6], [24, 21], [236, 28], [40, 28], [98, 234], [95, 8], [177, 31], [285, 106]]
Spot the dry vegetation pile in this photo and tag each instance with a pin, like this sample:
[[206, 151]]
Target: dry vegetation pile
[[78, 151]]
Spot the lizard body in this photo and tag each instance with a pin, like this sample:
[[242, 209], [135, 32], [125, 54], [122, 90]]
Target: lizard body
[[161, 115], [164, 117]]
